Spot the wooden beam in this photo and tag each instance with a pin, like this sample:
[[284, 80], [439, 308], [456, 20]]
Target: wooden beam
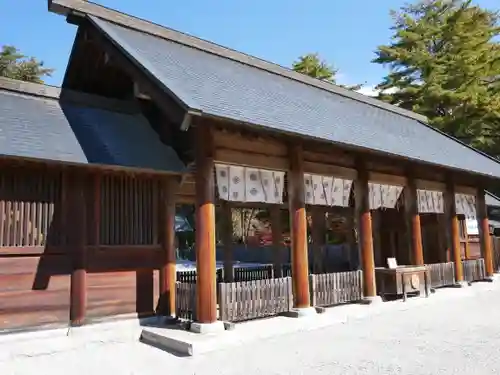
[[383, 178], [413, 220], [430, 185], [206, 310], [168, 273], [298, 221], [453, 230], [251, 159], [484, 231], [465, 190], [365, 232], [329, 170], [77, 230], [237, 141]]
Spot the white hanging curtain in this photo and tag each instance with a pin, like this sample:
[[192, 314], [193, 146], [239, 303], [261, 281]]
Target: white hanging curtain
[[465, 204], [242, 184], [430, 201], [381, 195], [326, 190]]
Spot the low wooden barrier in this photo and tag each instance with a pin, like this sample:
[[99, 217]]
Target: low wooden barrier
[[185, 300], [442, 274], [239, 301], [474, 270], [336, 288], [253, 273], [190, 276]]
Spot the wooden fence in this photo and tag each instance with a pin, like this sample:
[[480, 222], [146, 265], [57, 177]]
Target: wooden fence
[[241, 301], [336, 288], [253, 273], [442, 274], [474, 270], [185, 300]]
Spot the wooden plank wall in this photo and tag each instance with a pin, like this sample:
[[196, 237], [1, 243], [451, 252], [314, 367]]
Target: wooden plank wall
[[34, 267], [123, 247]]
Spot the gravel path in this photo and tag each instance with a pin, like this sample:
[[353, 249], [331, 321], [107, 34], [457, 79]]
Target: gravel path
[[454, 333]]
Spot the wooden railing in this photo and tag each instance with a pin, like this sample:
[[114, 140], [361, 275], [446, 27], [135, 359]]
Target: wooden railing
[[185, 300], [442, 274], [190, 276], [336, 288], [241, 301], [253, 273], [474, 270]]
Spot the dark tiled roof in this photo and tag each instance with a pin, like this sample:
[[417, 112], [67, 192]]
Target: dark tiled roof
[[226, 88], [43, 127]]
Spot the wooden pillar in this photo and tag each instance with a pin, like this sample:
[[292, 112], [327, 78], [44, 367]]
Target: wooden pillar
[[413, 220], [76, 215], [318, 239], [365, 232], [298, 225], [453, 231], [484, 232], [227, 239], [168, 272], [206, 311], [277, 233]]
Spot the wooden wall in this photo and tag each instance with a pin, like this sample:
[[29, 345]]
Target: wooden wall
[[122, 251]]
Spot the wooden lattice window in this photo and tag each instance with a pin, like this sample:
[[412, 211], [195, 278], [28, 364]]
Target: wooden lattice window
[[129, 211], [30, 208]]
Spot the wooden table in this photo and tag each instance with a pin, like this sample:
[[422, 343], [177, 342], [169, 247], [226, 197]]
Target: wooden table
[[403, 280]]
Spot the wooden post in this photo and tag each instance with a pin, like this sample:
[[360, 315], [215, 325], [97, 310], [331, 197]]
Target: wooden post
[[97, 210], [77, 230], [484, 232], [206, 296], [227, 234], [413, 219], [277, 233], [318, 238], [453, 231], [365, 232], [298, 225], [168, 273]]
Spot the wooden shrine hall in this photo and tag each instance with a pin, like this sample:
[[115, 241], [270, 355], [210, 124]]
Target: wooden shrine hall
[[148, 117]]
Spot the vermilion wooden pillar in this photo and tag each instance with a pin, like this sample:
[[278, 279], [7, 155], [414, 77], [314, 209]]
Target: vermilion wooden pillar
[[365, 232], [168, 273], [227, 233], [484, 232], [453, 231], [76, 215], [298, 225], [206, 310], [413, 219], [277, 233]]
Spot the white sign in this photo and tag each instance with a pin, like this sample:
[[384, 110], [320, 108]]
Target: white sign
[[472, 228]]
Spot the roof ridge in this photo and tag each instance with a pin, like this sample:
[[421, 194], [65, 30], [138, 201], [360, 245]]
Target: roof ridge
[[30, 88], [82, 7], [42, 90]]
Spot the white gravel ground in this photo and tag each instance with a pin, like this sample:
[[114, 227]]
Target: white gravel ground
[[453, 332]]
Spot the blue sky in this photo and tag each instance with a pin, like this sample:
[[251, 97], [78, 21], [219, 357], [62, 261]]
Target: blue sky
[[343, 32]]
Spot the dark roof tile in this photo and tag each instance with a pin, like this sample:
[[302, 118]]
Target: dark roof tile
[[225, 88]]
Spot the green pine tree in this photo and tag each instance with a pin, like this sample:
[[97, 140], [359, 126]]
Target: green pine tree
[[312, 65], [14, 65], [444, 63]]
